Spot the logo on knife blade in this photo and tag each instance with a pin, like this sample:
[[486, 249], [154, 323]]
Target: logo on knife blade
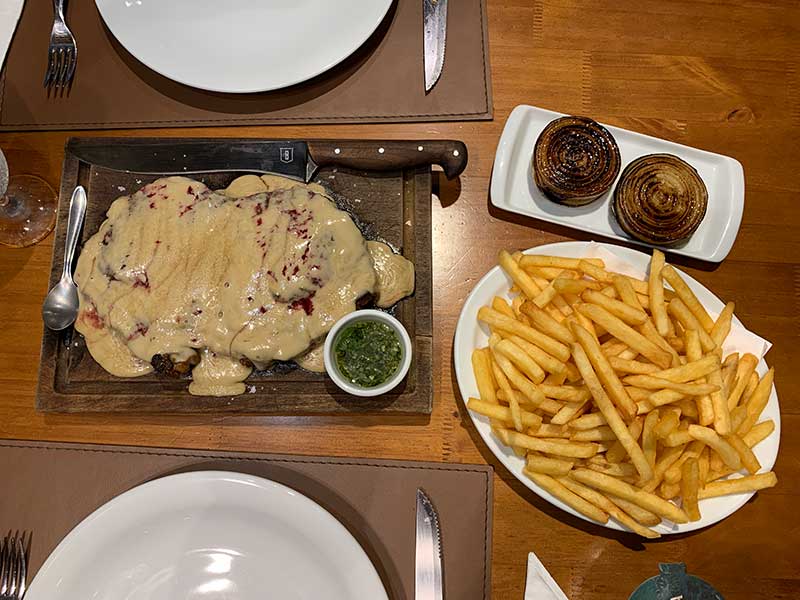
[[287, 155]]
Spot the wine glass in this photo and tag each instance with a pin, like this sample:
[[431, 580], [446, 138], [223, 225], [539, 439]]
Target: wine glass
[[27, 208]]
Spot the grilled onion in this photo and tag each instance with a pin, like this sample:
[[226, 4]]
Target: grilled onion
[[660, 199], [575, 160]]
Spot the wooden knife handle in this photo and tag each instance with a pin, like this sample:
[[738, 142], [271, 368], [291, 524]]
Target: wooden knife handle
[[377, 155]]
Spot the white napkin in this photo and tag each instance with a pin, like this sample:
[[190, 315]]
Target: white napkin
[[540, 585], [739, 339], [10, 11]]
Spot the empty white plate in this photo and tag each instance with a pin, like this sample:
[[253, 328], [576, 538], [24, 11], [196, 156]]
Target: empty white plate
[[212, 535], [242, 46]]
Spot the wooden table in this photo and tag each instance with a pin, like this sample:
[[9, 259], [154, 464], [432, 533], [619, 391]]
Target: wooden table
[[721, 75]]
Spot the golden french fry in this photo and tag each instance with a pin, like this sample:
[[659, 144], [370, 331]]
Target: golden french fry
[[656, 383], [598, 434], [617, 452], [599, 500], [649, 439], [722, 326], [612, 485], [518, 276], [502, 306], [689, 321], [482, 369], [521, 360], [626, 334], [545, 342], [549, 466], [613, 469], [641, 515], [503, 413], [547, 324], [758, 401], [711, 439], [501, 377], [572, 373], [545, 273], [555, 379], [626, 292], [738, 416], [656, 292], [569, 498], [722, 416], [564, 285], [560, 262], [612, 347], [745, 368], [648, 330], [752, 383], [594, 271], [589, 421], [609, 411], [621, 365], [605, 373], [691, 370], [688, 408], [749, 460], [690, 486], [687, 296], [549, 446], [749, 483], [759, 433], [552, 431], [729, 372], [628, 314], [570, 393], [677, 438], [551, 407], [668, 423], [539, 356], [569, 411], [662, 397]]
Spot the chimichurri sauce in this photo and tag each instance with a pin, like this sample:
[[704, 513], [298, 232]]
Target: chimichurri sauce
[[368, 353]]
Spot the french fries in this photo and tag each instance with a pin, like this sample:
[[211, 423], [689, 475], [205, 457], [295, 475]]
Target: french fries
[[616, 391]]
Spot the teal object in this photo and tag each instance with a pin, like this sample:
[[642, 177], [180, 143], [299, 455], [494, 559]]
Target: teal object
[[674, 584]]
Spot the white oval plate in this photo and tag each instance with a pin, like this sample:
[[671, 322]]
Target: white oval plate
[[210, 535], [242, 46], [514, 190], [471, 334]]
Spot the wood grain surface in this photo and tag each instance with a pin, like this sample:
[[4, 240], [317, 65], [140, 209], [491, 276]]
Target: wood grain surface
[[722, 75]]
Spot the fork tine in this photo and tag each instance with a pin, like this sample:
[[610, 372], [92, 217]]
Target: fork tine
[[62, 61], [12, 567], [73, 54], [4, 565], [48, 74], [23, 569]]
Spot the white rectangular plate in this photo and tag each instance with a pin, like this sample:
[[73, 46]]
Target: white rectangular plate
[[514, 190]]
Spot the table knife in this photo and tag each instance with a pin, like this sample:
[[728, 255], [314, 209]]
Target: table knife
[[434, 15], [428, 583], [295, 159]]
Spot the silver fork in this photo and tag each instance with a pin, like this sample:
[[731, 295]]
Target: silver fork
[[13, 567], [62, 55]]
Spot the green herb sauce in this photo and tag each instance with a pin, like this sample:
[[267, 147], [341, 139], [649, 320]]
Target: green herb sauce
[[368, 353]]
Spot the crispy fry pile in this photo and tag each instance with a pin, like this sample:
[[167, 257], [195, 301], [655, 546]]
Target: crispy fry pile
[[616, 392]]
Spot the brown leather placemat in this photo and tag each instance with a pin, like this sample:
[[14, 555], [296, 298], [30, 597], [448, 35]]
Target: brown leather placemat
[[48, 488], [382, 81]]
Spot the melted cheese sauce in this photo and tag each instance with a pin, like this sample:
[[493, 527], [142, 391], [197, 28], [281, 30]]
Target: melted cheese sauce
[[259, 271]]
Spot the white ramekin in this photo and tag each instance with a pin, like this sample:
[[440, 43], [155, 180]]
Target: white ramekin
[[367, 315]]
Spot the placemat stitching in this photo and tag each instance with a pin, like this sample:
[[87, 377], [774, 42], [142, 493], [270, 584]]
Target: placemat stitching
[[266, 118], [185, 454]]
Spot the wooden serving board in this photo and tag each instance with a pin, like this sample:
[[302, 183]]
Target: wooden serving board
[[394, 207]]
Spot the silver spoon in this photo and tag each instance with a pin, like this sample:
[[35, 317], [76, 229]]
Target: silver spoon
[[61, 305]]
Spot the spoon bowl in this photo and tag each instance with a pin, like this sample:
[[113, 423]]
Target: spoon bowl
[[60, 308]]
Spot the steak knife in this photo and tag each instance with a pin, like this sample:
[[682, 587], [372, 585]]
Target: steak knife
[[295, 159], [434, 18], [428, 583]]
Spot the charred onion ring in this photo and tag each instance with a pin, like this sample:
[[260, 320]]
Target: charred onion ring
[[575, 161], [660, 199]]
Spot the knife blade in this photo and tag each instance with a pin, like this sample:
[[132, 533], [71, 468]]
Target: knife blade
[[428, 583], [295, 159], [434, 14]]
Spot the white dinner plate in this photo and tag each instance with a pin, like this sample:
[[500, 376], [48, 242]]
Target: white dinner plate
[[514, 190], [471, 334], [242, 46], [213, 535]]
